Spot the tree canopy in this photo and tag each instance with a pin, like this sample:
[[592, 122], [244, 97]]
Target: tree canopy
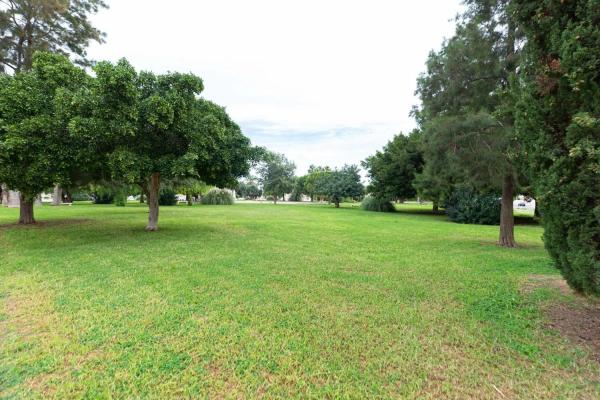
[[276, 175], [58, 26], [37, 148], [393, 170]]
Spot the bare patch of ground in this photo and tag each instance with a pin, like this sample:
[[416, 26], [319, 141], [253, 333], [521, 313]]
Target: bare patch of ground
[[580, 324], [577, 320]]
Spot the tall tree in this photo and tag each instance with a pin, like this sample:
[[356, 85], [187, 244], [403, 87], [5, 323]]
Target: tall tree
[[467, 108], [276, 175], [392, 171], [36, 147], [59, 26], [558, 122]]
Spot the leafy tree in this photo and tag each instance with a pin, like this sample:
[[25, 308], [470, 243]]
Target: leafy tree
[[558, 123], [299, 188], [392, 171], [37, 148], [249, 189], [314, 182], [153, 128], [343, 183], [276, 175], [59, 26], [467, 111]]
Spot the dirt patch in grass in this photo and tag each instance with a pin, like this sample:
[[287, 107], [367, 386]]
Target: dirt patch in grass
[[581, 324], [577, 320]]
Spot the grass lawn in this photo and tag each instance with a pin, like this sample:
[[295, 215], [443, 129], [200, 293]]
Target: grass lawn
[[256, 300]]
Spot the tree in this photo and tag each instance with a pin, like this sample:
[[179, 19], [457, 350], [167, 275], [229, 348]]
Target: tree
[[58, 26], [343, 183], [558, 123], [248, 189], [314, 182], [276, 175], [37, 149], [467, 107], [392, 171], [153, 128]]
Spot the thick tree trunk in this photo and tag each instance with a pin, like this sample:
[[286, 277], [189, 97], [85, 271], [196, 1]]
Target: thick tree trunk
[[189, 199], [153, 194], [274, 199], [26, 211], [337, 204], [507, 220], [436, 207], [57, 197]]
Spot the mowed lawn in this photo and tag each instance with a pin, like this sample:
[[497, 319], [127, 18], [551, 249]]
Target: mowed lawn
[[264, 301]]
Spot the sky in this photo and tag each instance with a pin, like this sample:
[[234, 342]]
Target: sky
[[325, 82]]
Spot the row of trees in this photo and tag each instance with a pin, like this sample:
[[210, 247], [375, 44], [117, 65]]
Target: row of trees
[[277, 179], [512, 103], [60, 125]]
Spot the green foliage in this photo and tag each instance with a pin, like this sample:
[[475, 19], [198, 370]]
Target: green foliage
[[276, 175], [467, 206], [62, 27], [392, 171], [558, 124], [248, 190], [103, 195], [167, 197], [314, 182], [371, 203], [343, 183], [37, 148], [218, 197]]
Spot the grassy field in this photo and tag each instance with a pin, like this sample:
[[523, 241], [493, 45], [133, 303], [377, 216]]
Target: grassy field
[[256, 300]]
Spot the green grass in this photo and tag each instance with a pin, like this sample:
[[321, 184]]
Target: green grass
[[256, 300]]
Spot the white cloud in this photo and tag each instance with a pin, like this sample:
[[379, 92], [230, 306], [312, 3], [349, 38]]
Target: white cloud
[[335, 77]]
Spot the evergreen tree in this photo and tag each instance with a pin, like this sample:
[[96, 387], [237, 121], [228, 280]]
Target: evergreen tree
[[558, 122], [58, 26]]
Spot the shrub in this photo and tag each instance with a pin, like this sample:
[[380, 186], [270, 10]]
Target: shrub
[[466, 206], [371, 203], [103, 197], [218, 197], [167, 197]]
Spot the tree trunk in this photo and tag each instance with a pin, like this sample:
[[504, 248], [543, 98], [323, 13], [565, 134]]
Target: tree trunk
[[188, 197], [507, 221], [337, 204], [57, 197], [153, 194], [274, 199], [436, 207], [142, 194], [26, 211]]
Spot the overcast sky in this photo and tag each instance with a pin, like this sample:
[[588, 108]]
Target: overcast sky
[[326, 82]]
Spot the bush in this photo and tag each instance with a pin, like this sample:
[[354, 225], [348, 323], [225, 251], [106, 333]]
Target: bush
[[167, 197], [218, 197], [466, 206], [371, 203], [103, 197]]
